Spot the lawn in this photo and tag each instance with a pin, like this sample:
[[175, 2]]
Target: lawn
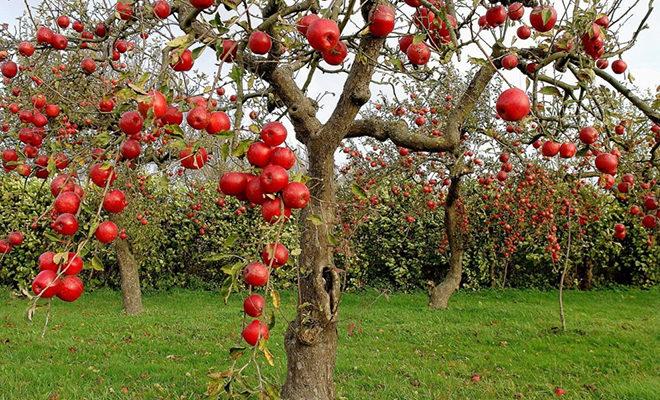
[[391, 347]]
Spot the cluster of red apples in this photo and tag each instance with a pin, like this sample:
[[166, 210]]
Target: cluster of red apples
[[272, 191], [14, 239]]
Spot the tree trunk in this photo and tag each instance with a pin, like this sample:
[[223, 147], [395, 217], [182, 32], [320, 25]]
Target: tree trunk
[[310, 372], [586, 274], [130, 278], [311, 339], [440, 294]]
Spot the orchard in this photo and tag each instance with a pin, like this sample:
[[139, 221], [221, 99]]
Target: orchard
[[284, 152]]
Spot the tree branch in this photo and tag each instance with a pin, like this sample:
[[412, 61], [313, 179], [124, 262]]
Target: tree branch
[[398, 132], [652, 114]]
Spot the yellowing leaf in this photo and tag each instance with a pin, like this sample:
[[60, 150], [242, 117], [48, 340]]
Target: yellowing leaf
[[274, 294]]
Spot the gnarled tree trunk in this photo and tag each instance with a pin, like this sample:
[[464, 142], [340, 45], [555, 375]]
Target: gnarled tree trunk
[[311, 339], [439, 296], [130, 278]]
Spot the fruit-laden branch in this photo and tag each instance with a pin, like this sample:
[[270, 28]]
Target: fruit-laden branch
[[628, 94], [301, 108], [356, 91], [399, 133]]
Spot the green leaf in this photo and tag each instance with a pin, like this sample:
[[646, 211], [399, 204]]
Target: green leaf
[[96, 264], [271, 320], [546, 14], [550, 91], [478, 61], [230, 240], [214, 257], [296, 252], [241, 148], [233, 268], [358, 192], [125, 94], [60, 258], [224, 151], [175, 130], [196, 52], [180, 41], [137, 89], [236, 73], [101, 139]]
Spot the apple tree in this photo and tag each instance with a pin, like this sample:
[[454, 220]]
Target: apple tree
[[279, 59]]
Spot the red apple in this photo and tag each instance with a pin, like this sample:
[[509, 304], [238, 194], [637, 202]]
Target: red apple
[[323, 34], [114, 201], [254, 305], [273, 133], [273, 178], [106, 232], [71, 288], [513, 105], [543, 18], [46, 284], [381, 20], [256, 274], [255, 331], [276, 254], [296, 195]]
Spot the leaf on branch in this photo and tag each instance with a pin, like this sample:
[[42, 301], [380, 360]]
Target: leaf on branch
[[358, 192], [241, 148], [101, 140], [585, 74], [236, 73], [125, 94], [550, 91], [546, 14], [223, 374], [269, 357], [214, 257], [224, 151], [232, 269], [230, 240], [271, 320], [60, 258], [175, 130], [180, 41], [196, 52], [97, 265], [275, 295]]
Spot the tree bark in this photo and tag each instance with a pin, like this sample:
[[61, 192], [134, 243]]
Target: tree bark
[[440, 294], [311, 339], [130, 278]]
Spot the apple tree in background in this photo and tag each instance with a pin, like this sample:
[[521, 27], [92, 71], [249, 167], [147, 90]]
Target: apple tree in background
[[271, 56]]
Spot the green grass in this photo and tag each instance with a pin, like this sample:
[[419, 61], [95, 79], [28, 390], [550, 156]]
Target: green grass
[[398, 348]]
